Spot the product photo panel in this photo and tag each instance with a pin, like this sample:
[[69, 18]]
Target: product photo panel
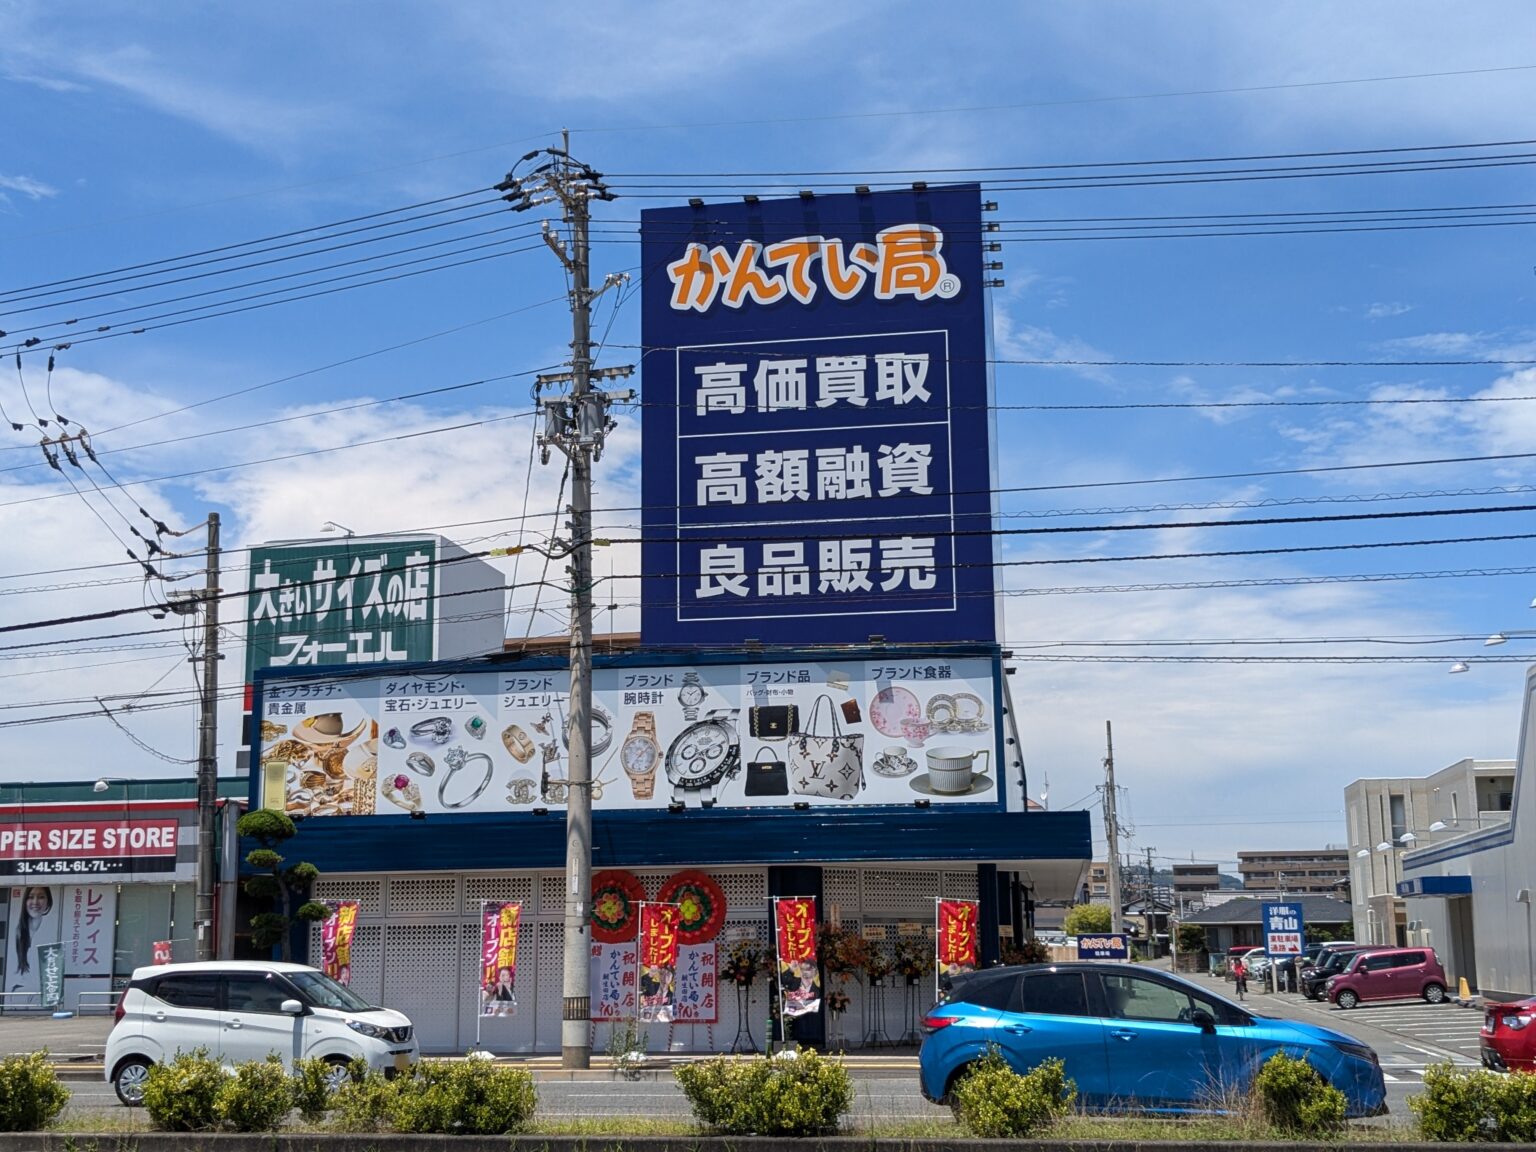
[[823, 734]]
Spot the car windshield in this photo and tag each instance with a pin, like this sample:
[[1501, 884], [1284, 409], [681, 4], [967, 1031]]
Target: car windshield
[[323, 992]]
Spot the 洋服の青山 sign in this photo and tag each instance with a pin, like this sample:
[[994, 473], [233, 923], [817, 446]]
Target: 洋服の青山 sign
[[817, 457], [87, 846]]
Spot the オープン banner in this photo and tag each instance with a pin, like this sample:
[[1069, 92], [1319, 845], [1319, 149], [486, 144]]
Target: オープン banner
[[656, 963], [817, 441], [500, 924], [955, 939], [799, 976], [336, 932]]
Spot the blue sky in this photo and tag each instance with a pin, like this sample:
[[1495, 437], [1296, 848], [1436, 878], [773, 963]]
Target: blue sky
[[135, 134]]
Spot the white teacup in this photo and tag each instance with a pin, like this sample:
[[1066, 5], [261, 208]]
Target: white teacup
[[952, 770]]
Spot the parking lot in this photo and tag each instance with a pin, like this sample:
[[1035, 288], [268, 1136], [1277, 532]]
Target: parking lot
[[1409, 1036]]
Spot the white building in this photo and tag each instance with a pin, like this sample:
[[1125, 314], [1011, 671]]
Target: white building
[[1391, 816], [1467, 887]]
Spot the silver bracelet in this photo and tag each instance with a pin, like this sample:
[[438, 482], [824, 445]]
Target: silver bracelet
[[457, 758]]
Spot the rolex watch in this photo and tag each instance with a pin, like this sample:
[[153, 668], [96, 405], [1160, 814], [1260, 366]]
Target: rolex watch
[[690, 696], [640, 754], [704, 756]]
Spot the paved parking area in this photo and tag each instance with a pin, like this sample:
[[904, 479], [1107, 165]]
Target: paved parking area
[[1449, 1027]]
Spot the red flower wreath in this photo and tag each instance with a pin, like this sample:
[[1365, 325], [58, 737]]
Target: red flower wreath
[[702, 905], [615, 894]]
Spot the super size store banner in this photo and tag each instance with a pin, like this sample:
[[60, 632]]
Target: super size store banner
[[741, 736], [817, 457]]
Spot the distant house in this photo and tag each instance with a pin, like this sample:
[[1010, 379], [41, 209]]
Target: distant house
[[1240, 921]]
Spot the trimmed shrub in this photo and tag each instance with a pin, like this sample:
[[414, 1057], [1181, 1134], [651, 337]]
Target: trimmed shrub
[[311, 1088], [473, 1097], [994, 1101], [1294, 1097], [1476, 1106], [366, 1102], [257, 1098], [182, 1095], [791, 1094], [30, 1093]]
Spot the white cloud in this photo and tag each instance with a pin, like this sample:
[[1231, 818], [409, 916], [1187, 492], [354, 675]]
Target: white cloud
[[1382, 311], [25, 186], [250, 118], [1016, 341]]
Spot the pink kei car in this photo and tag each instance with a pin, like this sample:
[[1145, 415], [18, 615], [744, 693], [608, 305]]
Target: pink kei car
[[1389, 974]]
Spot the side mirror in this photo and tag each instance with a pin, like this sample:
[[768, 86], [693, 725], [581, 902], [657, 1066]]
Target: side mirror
[[292, 1007], [1204, 1019]]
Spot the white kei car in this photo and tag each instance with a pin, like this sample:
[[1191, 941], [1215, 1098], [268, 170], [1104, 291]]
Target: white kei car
[[244, 1010]]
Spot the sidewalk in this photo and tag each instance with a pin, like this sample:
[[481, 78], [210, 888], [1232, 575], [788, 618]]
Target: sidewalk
[[77, 1046]]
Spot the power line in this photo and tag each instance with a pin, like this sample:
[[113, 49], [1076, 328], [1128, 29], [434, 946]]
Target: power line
[[897, 113], [7, 294], [138, 326], [969, 169]]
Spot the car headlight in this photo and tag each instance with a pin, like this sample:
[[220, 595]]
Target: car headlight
[[1349, 1048], [373, 1031], [1516, 1022]]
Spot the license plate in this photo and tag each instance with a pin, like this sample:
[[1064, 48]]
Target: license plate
[[402, 1061], [1488, 1024]]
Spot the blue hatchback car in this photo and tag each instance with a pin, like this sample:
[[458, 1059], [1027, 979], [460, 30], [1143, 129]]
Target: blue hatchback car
[[1132, 1039]]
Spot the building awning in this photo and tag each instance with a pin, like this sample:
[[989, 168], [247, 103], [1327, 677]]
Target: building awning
[[1435, 886]]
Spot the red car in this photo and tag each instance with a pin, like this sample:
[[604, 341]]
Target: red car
[[1508, 1039]]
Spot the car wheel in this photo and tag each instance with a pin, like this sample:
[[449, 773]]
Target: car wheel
[[1346, 999], [1434, 993], [339, 1072], [129, 1080]]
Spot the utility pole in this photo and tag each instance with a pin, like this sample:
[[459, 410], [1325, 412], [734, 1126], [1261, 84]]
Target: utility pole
[[577, 423], [208, 747], [1111, 828]]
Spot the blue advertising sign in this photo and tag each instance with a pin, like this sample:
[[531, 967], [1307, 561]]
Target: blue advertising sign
[[1107, 946], [817, 462], [1285, 930]]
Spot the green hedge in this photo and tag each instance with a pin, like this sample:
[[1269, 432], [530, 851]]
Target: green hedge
[[1476, 1106], [1293, 1097], [468, 1097], [791, 1094], [31, 1096], [995, 1102]]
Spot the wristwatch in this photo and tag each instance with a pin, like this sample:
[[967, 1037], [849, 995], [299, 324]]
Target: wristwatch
[[690, 696], [704, 755], [640, 754], [602, 730]]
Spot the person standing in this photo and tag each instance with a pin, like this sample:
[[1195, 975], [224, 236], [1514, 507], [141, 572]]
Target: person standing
[[1240, 977], [36, 906]]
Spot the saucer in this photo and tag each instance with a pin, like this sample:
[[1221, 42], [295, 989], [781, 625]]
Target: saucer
[[894, 768], [979, 784]]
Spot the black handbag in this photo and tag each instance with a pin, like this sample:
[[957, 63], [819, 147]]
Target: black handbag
[[773, 721], [767, 777]]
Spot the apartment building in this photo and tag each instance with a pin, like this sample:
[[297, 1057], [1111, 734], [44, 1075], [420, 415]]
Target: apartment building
[[1323, 871]]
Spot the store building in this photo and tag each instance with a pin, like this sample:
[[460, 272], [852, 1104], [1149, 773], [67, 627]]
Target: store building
[[817, 706], [1467, 878], [1390, 817], [430, 790], [95, 874]]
